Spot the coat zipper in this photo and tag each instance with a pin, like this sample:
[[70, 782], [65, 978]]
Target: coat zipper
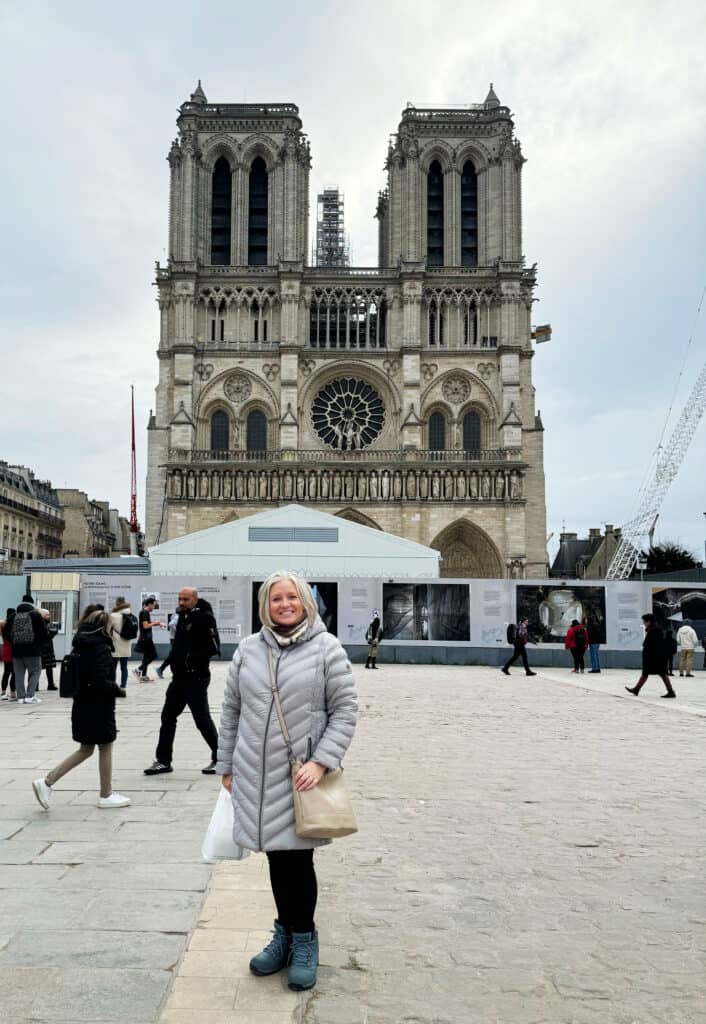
[[264, 747]]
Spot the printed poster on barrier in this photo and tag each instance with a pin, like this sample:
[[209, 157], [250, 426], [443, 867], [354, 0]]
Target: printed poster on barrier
[[551, 609], [426, 612]]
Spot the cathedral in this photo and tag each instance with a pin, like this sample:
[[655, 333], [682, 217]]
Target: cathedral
[[398, 396]]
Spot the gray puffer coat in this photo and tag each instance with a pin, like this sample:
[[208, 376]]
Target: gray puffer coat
[[318, 698]]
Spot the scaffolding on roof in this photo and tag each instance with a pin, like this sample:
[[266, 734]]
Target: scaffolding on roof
[[332, 248]]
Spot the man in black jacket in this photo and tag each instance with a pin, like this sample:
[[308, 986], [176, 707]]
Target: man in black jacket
[[195, 643], [27, 633]]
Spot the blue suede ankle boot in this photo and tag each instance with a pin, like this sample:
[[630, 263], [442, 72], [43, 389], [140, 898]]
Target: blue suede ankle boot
[[276, 955], [304, 961]]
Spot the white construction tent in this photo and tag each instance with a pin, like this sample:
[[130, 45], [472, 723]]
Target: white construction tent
[[314, 544]]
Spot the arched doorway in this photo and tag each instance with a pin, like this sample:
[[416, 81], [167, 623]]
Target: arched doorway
[[467, 552], [353, 516]]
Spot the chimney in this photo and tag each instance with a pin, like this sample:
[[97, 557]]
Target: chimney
[[594, 533]]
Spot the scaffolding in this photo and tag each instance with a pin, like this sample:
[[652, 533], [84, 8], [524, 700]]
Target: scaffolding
[[331, 244]]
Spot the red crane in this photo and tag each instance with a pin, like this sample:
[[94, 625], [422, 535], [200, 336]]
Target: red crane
[[134, 525]]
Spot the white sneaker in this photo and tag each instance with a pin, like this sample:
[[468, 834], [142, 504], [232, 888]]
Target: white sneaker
[[32, 700], [42, 792], [4, 696], [114, 800]]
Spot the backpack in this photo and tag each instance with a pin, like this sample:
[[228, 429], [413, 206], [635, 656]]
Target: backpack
[[130, 627], [70, 675], [511, 633], [22, 629], [579, 636]]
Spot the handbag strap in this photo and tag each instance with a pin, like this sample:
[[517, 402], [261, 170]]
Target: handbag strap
[[278, 706]]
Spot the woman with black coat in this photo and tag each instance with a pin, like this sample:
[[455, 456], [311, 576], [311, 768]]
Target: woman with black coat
[[93, 711], [654, 657], [48, 656]]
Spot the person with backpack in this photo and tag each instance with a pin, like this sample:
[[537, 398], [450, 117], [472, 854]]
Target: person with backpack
[[8, 675], [518, 636], [27, 634], [93, 711], [124, 626], [373, 636], [576, 641]]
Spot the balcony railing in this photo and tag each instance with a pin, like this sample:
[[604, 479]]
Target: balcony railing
[[389, 457]]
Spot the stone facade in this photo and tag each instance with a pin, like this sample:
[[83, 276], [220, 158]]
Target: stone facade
[[88, 532], [31, 520], [399, 396]]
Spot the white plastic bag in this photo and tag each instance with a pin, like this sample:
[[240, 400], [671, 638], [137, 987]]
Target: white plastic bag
[[218, 843]]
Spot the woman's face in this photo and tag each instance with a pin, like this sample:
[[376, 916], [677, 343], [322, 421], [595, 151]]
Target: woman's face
[[286, 608]]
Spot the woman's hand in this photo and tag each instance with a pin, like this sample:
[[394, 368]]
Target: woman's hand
[[309, 776], [227, 782]]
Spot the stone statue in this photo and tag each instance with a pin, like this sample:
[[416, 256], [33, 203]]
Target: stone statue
[[461, 485], [448, 485], [252, 485], [336, 486], [500, 485], [397, 485], [349, 485], [424, 484], [485, 485], [515, 484], [373, 486], [262, 485], [362, 485], [411, 486], [313, 485], [301, 484], [385, 485], [239, 486], [274, 486], [435, 484], [287, 485], [473, 486], [325, 484]]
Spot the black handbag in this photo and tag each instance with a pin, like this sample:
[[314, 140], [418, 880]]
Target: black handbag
[[70, 675]]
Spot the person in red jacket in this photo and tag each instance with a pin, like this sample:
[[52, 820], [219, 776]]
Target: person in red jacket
[[576, 641]]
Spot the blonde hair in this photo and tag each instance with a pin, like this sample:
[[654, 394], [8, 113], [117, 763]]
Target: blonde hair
[[99, 618], [303, 590]]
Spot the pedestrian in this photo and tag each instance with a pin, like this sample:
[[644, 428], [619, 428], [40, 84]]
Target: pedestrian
[[670, 646], [92, 713], [145, 645], [595, 638], [195, 643], [125, 628], [373, 636], [518, 636], [8, 674], [688, 641], [173, 620], [48, 656], [27, 635], [315, 682], [576, 641], [654, 657]]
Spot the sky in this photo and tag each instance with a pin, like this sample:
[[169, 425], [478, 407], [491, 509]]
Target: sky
[[609, 101]]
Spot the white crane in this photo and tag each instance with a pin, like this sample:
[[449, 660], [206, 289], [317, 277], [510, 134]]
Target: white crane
[[667, 465]]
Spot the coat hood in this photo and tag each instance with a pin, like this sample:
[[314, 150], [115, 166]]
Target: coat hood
[[25, 606], [89, 635]]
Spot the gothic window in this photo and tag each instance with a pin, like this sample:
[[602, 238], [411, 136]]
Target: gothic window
[[471, 432], [435, 216], [436, 323], [469, 216], [257, 214], [220, 213], [347, 319], [437, 432], [256, 431], [219, 431], [470, 336], [348, 414], [222, 330]]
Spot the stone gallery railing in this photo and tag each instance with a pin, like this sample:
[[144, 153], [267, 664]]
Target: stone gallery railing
[[389, 457]]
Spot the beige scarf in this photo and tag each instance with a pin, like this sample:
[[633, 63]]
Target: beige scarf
[[286, 637]]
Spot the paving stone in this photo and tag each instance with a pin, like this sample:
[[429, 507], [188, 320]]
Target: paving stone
[[93, 949], [145, 911]]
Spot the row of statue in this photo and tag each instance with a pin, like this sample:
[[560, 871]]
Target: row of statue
[[276, 484]]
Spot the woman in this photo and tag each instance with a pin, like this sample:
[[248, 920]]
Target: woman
[[373, 636], [122, 649], [654, 657], [48, 656], [8, 675], [576, 641], [316, 689], [93, 711]]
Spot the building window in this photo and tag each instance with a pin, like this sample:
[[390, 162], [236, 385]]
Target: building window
[[219, 431], [469, 216], [223, 330], [435, 216], [436, 323], [471, 432], [256, 330], [213, 329], [256, 431], [264, 330], [257, 214], [470, 336], [437, 432], [220, 213]]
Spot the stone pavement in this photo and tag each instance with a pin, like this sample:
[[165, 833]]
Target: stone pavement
[[531, 852]]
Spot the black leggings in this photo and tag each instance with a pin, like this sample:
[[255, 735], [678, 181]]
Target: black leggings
[[294, 888], [577, 654], [8, 676]]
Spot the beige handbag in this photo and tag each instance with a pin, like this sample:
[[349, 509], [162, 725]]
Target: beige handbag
[[324, 812]]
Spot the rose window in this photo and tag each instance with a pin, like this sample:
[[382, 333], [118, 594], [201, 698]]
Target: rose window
[[348, 414]]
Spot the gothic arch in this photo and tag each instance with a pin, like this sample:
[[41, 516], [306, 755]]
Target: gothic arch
[[216, 148], [478, 386], [474, 152], [467, 552], [362, 370], [213, 391], [259, 145], [440, 151], [352, 515]]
